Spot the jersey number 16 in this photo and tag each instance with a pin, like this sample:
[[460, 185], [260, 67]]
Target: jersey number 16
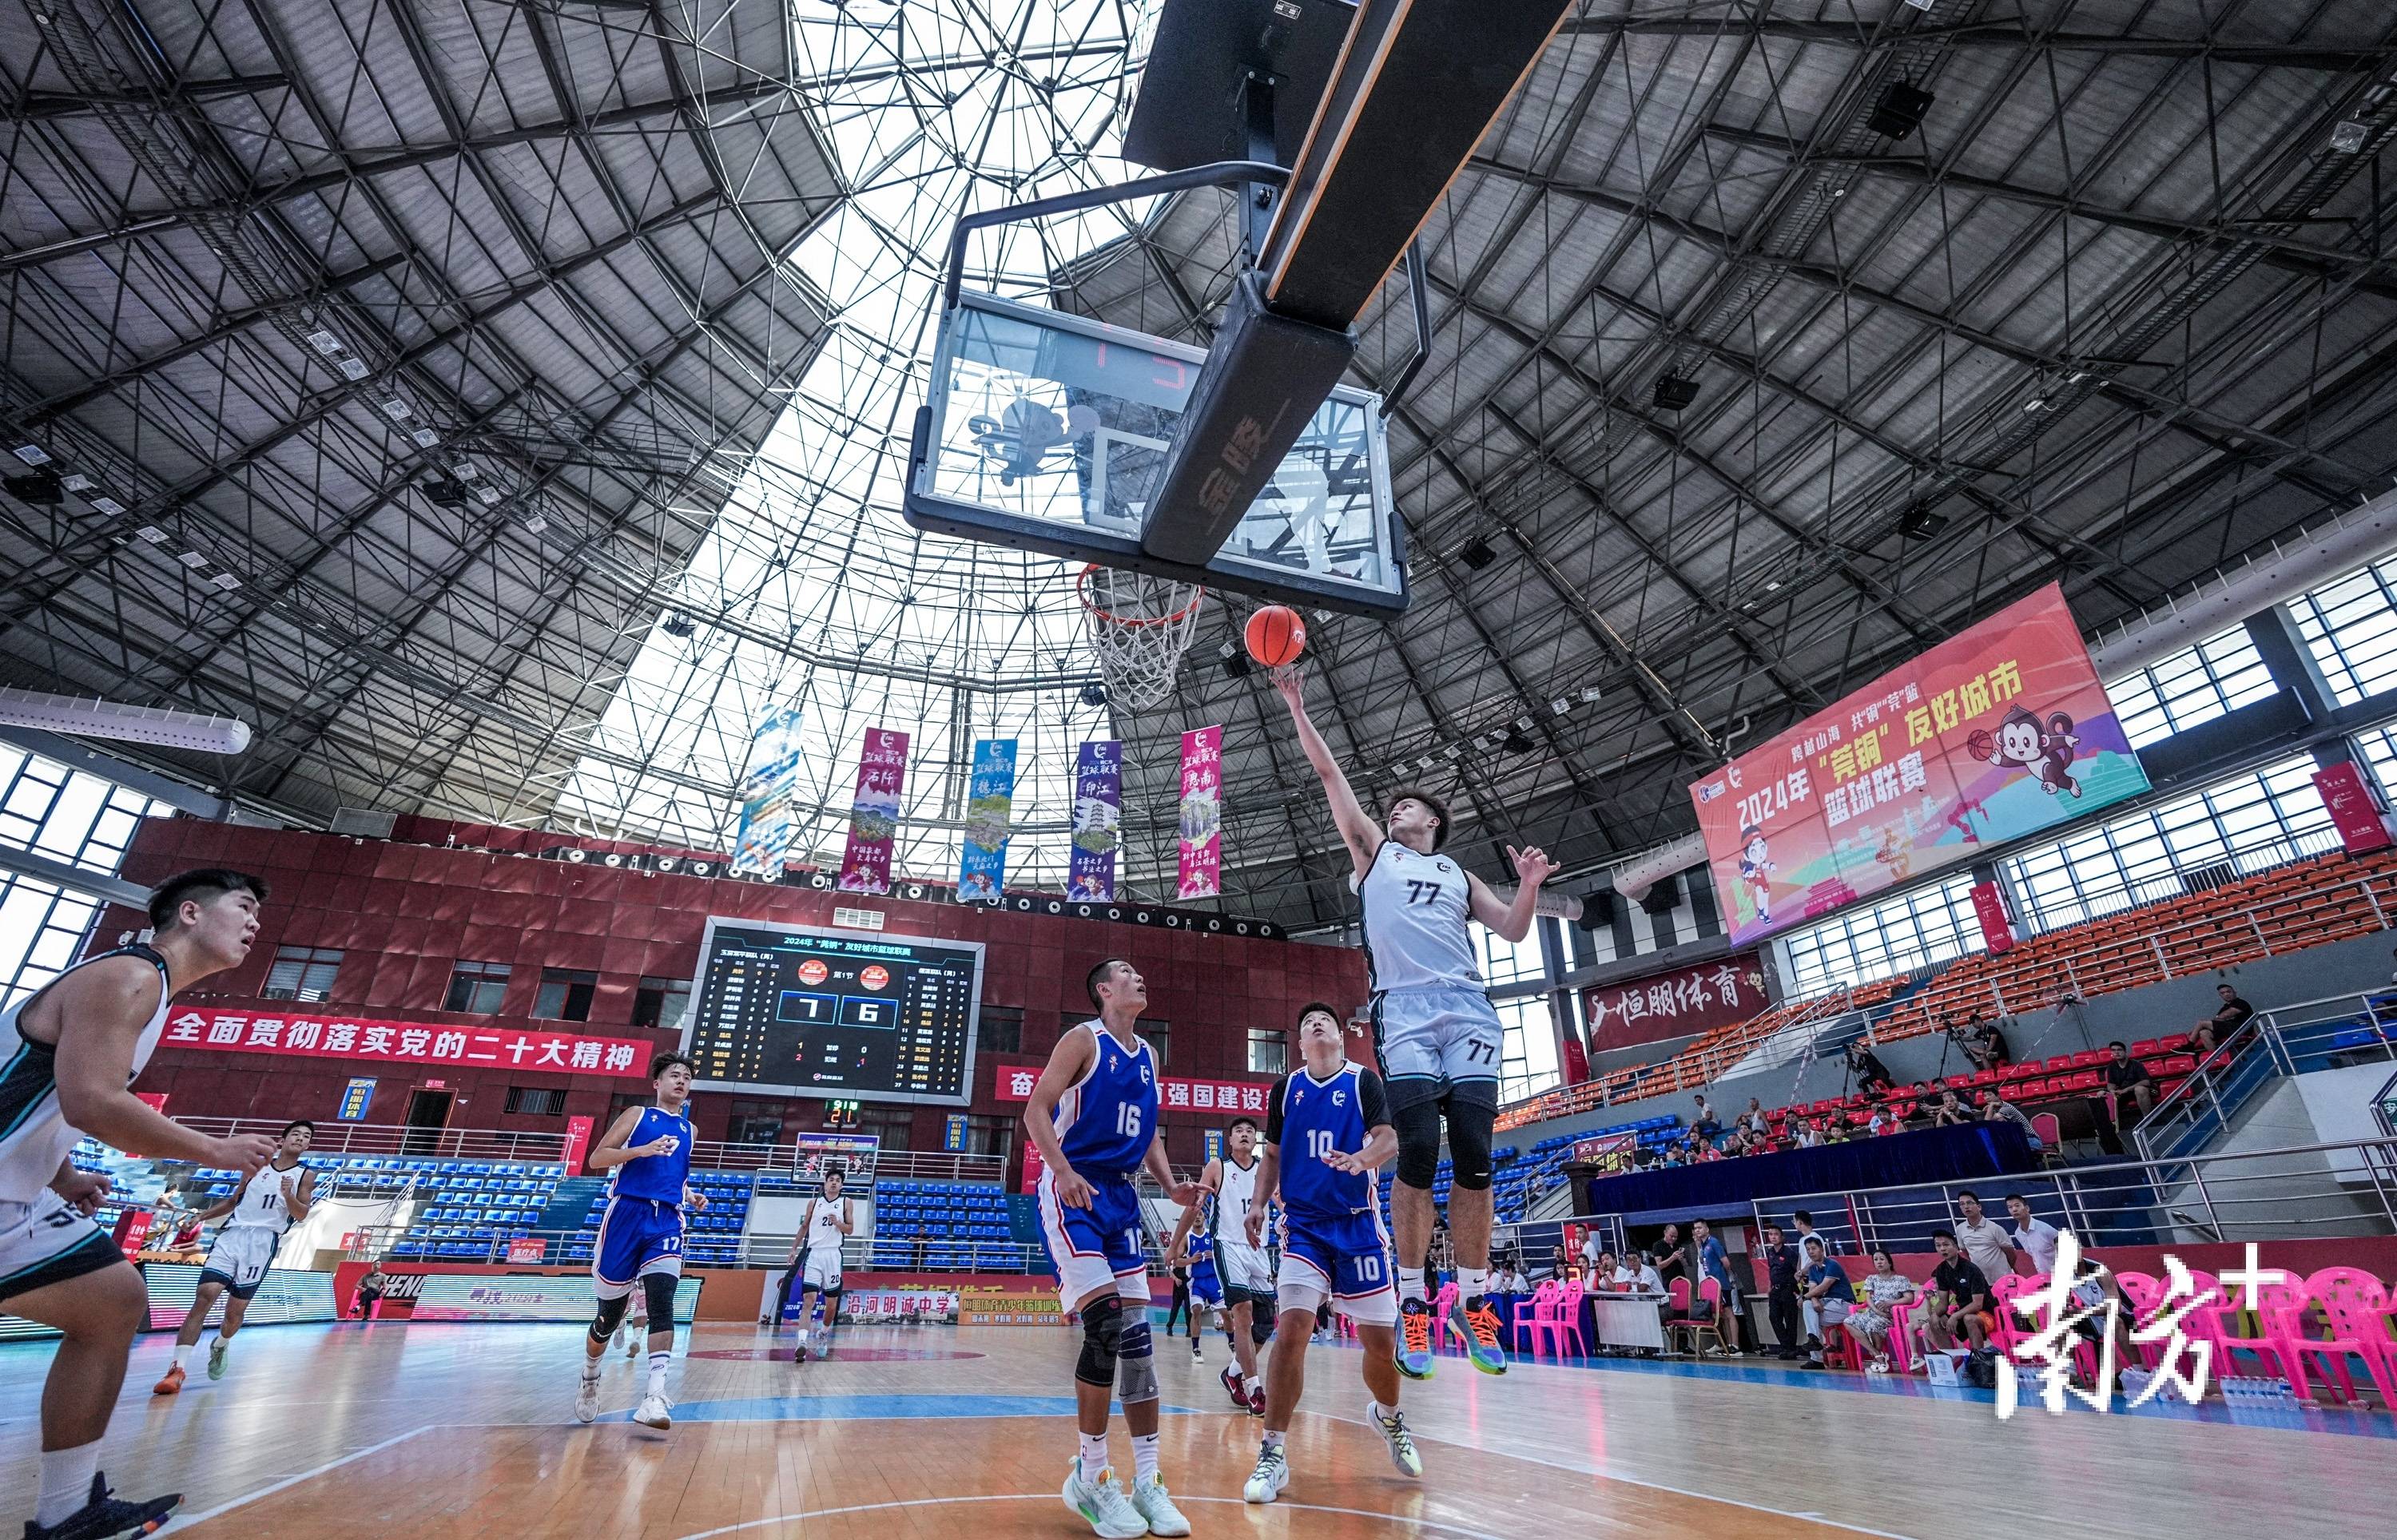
[[1128, 1121]]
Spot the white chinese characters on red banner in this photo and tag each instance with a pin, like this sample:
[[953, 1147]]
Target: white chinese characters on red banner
[[1676, 1003], [404, 1042], [1015, 1083]]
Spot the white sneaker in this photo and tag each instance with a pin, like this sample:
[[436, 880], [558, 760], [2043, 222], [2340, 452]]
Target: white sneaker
[[586, 1399], [617, 1340], [655, 1411], [1402, 1444], [633, 1348], [1103, 1506], [1266, 1482], [1198, 1355], [217, 1349], [1150, 1500]]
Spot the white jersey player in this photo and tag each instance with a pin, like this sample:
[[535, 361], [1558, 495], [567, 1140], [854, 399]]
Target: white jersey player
[[68, 1055], [1242, 1271], [269, 1201], [829, 1222], [1434, 1029]]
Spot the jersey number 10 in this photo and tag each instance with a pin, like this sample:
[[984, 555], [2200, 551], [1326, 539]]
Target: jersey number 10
[[1319, 1143]]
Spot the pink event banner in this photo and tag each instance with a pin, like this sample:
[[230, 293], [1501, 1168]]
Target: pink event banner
[[873, 815], [1202, 814], [405, 1042]]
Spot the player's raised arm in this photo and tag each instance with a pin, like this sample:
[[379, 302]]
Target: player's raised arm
[[100, 1010], [1356, 827], [1512, 917], [1068, 1062]]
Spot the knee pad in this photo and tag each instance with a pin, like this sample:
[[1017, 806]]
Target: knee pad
[[658, 1292], [1103, 1327], [610, 1316], [1469, 1128], [1418, 1130], [1136, 1358], [1261, 1323]]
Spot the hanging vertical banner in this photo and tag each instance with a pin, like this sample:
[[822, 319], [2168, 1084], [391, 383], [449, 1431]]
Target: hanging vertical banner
[[1997, 928], [2352, 810], [874, 815], [1202, 814], [765, 835], [990, 804], [1098, 821]]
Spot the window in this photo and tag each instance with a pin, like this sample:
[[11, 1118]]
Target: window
[[1528, 1051], [1158, 1034], [990, 1134], [69, 815], [476, 987], [565, 994], [1505, 962], [2349, 626], [1268, 1051], [754, 1123], [2196, 685], [1912, 930], [896, 1125], [1002, 1029], [659, 1003], [301, 972], [537, 1101]]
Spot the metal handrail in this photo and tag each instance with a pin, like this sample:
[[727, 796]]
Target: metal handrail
[[2281, 1038], [749, 1249]]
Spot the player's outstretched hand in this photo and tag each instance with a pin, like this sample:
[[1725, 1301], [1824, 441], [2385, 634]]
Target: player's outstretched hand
[[1348, 1161], [1531, 865], [244, 1152], [1185, 1193], [83, 1189], [1256, 1227], [1072, 1191], [662, 1145], [1291, 682]]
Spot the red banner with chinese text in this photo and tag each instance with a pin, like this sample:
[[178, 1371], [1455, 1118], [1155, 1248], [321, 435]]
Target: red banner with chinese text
[[2353, 810], [2000, 731], [1676, 1003], [1997, 926], [404, 1042], [1014, 1083]]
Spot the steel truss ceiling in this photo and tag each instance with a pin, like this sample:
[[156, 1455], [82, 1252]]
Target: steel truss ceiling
[[2120, 311]]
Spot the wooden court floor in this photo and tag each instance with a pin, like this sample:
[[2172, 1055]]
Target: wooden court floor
[[443, 1431]]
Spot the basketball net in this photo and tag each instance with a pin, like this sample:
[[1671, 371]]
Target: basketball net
[[1140, 627]]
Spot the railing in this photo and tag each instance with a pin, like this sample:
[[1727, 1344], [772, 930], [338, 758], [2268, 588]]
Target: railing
[[2315, 1191], [865, 1254], [2285, 1041]]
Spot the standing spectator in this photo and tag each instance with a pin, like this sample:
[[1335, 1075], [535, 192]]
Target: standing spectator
[[1754, 1116], [1590, 1253], [1983, 1239], [1802, 1221], [2230, 1016], [2034, 1236], [1558, 1266], [1714, 1262], [2126, 1073], [1996, 1108], [1885, 1291], [1782, 1261], [1704, 1122], [1672, 1259], [1827, 1300], [1960, 1298], [1872, 1074]]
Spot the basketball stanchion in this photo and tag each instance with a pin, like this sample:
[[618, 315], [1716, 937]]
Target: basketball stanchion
[[1140, 627]]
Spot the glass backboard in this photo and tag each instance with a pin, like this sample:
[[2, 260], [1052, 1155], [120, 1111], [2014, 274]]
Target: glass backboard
[[1049, 433]]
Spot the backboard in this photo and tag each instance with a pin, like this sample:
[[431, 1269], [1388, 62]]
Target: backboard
[[1048, 432]]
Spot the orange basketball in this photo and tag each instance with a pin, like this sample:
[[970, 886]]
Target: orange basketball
[[1276, 636]]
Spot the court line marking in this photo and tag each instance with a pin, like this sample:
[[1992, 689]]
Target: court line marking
[[1432, 1524], [185, 1520]]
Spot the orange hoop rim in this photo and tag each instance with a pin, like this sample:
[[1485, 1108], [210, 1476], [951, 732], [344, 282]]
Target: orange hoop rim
[[1082, 592]]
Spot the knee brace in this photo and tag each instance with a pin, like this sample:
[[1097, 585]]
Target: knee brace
[[1261, 1322], [1418, 1130], [1102, 1341], [1469, 1128], [610, 1316], [1136, 1358], [658, 1291]]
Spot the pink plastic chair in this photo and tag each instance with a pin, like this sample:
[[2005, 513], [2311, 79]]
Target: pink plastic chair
[[1564, 1320], [2279, 1307], [2011, 1328], [2356, 1308], [1901, 1347], [1441, 1304], [2144, 1294], [1532, 1316]]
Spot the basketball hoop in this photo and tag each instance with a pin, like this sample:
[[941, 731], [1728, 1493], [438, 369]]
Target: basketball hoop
[[1140, 627]]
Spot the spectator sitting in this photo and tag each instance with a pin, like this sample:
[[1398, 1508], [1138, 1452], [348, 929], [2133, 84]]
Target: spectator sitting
[[1870, 1072], [1996, 1108], [1883, 1121], [1511, 1281], [2204, 1040], [2126, 1073], [2230, 1016], [1828, 1297], [1589, 1251], [1710, 1150], [1885, 1292], [1809, 1134], [1983, 1239], [1601, 1279], [1640, 1273], [1558, 1266], [1960, 1298], [1948, 1112], [1703, 1123], [1754, 1116]]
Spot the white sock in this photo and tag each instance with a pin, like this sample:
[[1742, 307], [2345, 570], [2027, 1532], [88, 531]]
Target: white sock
[[66, 1481], [1381, 1412], [1094, 1457], [589, 1368], [1250, 1383], [181, 1352], [1144, 1456], [1410, 1283], [658, 1362], [1472, 1283], [1273, 1439]]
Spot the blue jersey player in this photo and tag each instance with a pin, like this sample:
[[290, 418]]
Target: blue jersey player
[[1327, 1130], [1093, 1119], [1196, 1245], [1434, 1028], [640, 1233]]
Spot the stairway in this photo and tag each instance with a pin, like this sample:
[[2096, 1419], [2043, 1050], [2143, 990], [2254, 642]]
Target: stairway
[[571, 1203]]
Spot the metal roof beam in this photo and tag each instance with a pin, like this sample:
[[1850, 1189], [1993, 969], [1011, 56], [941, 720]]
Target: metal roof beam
[[2000, 32], [36, 105]]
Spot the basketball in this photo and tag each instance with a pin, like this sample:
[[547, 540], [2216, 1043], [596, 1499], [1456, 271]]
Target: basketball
[[1276, 636]]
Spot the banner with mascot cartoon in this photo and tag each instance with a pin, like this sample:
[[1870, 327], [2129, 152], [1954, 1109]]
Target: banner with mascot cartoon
[[2000, 731]]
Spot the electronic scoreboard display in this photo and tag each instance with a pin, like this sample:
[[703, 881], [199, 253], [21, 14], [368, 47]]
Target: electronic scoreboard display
[[846, 1015]]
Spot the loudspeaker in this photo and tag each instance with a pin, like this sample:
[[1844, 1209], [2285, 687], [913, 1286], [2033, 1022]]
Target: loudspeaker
[[1665, 898], [1597, 910], [1900, 110]]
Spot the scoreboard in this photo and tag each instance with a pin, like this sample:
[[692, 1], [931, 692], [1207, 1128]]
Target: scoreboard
[[794, 1011]]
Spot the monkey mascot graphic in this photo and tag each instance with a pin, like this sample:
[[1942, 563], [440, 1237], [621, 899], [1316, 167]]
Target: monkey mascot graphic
[[2023, 742]]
